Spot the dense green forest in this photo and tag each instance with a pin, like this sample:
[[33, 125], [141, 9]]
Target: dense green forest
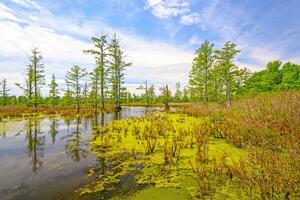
[[214, 77]]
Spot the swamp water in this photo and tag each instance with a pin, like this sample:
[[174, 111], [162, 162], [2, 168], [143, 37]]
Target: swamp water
[[49, 158]]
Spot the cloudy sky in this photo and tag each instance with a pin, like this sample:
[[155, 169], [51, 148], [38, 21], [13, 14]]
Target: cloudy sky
[[160, 36]]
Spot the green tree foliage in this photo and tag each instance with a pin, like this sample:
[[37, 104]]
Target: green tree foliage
[[241, 78], [29, 84], [67, 98], [53, 92], [185, 97], [166, 96], [151, 93], [225, 60], [290, 76], [34, 77], [200, 74], [217, 88], [99, 74], [148, 92], [178, 93], [275, 77], [73, 79], [85, 92], [38, 74], [4, 92], [117, 66]]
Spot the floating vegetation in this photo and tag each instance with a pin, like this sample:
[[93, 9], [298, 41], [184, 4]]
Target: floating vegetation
[[157, 151]]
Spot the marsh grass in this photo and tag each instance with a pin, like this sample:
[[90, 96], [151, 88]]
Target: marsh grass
[[8, 112], [267, 126]]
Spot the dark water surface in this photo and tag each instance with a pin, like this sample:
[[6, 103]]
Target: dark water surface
[[48, 158]]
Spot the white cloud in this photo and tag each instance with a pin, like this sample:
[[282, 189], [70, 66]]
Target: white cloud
[[17, 40], [190, 19], [167, 8], [61, 39], [264, 54], [173, 8], [151, 53]]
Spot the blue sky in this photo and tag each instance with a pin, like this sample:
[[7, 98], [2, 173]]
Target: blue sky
[[160, 36]]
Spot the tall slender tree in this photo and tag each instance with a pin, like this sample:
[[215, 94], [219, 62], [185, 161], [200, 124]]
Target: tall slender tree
[[28, 88], [166, 96], [200, 74], [4, 92], [67, 97], [38, 73], [85, 92], [217, 84], [146, 91], [185, 95], [116, 69], [225, 60], [151, 93], [73, 79], [241, 78], [99, 74], [178, 93], [53, 92]]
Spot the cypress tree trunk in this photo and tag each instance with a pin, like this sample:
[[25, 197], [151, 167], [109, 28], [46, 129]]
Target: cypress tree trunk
[[228, 97], [102, 80], [77, 96], [147, 94]]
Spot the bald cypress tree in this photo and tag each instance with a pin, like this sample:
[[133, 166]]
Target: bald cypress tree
[[228, 70], [38, 74], [146, 93], [4, 92], [200, 75], [73, 78], [34, 77], [53, 92], [99, 74], [117, 66], [166, 96]]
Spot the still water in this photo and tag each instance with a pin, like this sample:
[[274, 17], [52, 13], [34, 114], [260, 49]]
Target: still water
[[48, 158]]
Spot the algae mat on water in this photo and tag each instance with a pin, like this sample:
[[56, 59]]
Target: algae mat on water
[[153, 157]]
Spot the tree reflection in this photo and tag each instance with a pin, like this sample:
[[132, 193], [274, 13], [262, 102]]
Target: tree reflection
[[117, 115], [3, 128], [36, 143], [102, 119], [68, 123], [73, 144], [54, 129], [95, 121]]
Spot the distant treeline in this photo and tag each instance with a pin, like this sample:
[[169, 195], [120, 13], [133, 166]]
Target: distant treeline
[[214, 77]]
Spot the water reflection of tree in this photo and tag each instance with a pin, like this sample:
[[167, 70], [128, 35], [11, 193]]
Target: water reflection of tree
[[117, 115], [3, 134], [73, 144], [95, 122], [68, 123], [36, 143], [53, 129]]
